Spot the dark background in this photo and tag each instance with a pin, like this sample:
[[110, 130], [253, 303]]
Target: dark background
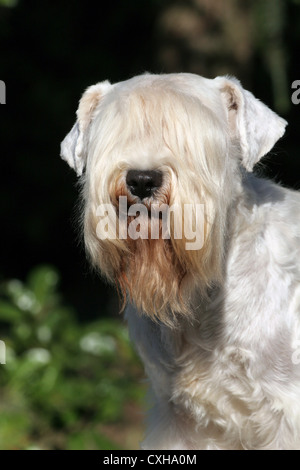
[[51, 51]]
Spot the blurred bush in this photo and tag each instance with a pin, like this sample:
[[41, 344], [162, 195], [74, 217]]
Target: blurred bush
[[65, 383]]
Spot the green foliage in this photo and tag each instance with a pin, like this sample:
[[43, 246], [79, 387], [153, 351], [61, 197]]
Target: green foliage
[[8, 3], [63, 381]]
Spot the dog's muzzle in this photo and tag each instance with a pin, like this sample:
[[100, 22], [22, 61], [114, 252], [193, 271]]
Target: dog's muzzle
[[143, 183]]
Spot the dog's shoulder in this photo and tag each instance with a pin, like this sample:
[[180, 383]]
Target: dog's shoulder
[[266, 207]]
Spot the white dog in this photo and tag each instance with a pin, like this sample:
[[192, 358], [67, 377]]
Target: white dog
[[216, 327]]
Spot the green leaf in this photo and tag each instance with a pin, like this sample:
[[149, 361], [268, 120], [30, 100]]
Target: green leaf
[[8, 312], [43, 281]]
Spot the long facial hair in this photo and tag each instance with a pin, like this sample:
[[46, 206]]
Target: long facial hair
[[159, 275]]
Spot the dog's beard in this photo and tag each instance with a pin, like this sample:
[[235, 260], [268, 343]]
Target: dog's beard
[[150, 275], [159, 275], [153, 277]]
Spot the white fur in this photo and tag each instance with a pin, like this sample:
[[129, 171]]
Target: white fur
[[233, 378], [224, 376]]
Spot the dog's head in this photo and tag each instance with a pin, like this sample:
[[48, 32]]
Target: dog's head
[[162, 154]]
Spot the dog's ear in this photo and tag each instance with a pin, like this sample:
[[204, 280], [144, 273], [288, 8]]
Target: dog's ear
[[250, 121], [72, 148]]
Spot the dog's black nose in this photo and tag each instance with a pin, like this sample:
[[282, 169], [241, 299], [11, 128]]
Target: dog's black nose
[[143, 183]]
